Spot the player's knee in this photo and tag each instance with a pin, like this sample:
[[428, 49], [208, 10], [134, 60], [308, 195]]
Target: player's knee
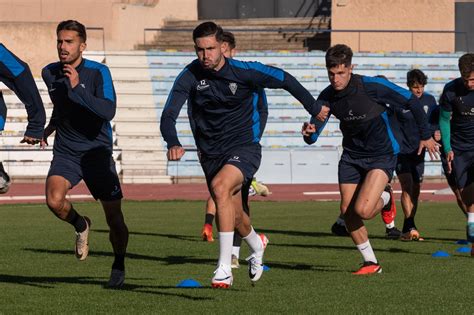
[[219, 190], [56, 205], [363, 211]]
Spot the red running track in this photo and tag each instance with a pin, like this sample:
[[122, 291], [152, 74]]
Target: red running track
[[34, 193]]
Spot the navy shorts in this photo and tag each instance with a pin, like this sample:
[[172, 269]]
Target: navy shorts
[[353, 170], [246, 159], [463, 168], [413, 164], [449, 177], [97, 169]]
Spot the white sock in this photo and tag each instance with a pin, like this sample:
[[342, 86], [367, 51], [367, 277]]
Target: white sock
[[470, 217], [367, 252], [254, 241], [225, 248], [341, 221], [385, 198], [236, 251], [390, 225]]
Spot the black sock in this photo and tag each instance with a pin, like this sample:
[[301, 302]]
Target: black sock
[[237, 239], [119, 262], [209, 218], [76, 220], [408, 225]]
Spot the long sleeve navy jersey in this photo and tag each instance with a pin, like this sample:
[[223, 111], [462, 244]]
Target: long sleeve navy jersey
[[408, 129], [82, 114], [459, 100], [260, 117], [362, 111], [16, 75], [223, 105]]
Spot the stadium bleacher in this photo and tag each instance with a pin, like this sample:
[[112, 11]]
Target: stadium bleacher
[[143, 80]]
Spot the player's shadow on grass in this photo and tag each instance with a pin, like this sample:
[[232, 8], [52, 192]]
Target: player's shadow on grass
[[300, 266], [169, 260], [172, 236], [309, 234], [50, 282], [295, 233], [351, 248]]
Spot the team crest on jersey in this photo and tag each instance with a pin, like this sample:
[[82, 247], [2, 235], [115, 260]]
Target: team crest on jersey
[[425, 107], [233, 87], [202, 85]]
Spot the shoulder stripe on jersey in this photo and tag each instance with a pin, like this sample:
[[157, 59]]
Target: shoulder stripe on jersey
[[255, 118], [168, 101], [10, 62], [404, 92], [2, 123], [106, 78], [263, 96], [395, 145], [273, 72]]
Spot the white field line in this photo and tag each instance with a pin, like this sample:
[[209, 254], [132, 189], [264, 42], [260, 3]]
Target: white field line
[[41, 197], [319, 193]]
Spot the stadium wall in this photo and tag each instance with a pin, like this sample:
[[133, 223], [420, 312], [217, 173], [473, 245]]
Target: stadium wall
[[401, 15], [28, 26]]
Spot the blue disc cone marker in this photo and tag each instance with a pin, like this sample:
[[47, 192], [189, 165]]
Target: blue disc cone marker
[[463, 250], [440, 253], [462, 242], [189, 283], [266, 268]]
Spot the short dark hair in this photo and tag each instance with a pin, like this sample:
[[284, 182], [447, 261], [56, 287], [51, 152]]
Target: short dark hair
[[208, 29], [229, 38], [466, 64], [416, 76], [339, 54], [72, 25]]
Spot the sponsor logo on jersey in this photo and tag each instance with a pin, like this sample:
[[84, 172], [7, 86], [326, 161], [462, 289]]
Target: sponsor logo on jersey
[[468, 113], [351, 117], [234, 159], [202, 85], [233, 87]]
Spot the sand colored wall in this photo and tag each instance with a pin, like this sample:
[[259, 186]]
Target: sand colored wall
[[394, 15], [28, 26]]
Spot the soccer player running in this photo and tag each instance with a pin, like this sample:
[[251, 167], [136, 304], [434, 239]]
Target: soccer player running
[[84, 102], [16, 75], [228, 40], [411, 165], [456, 123], [370, 149], [222, 94]]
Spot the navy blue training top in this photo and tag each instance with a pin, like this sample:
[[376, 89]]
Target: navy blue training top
[[459, 100], [408, 129], [82, 114], [362, 110], [16, 75], [224, 104]]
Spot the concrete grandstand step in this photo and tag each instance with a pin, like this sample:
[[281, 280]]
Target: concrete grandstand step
[[129, 112], [249, 23], [26, 155], [143, 155], [127, 127], [139, 141], [130, 177]]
